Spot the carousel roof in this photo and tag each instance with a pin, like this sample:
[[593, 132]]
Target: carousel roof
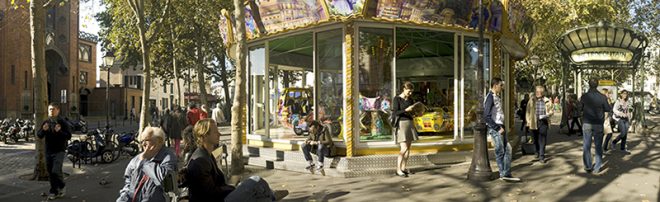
[[602, 46], [269, 17]]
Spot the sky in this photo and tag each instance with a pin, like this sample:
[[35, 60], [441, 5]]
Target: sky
[[89, 24]]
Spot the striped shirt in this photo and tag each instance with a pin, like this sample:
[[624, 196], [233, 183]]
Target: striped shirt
[[540, 108]]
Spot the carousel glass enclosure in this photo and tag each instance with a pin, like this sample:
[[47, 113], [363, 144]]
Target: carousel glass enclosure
[[300, 76]]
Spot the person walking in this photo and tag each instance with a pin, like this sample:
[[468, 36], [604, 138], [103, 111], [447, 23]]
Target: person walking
[[607, 124], [194, 114], [622, 114], [145, 174], [539, 111], [494, 118], [175, 126], [57, 133], [574, 114], [217, 114], [594, 105], [523, 107], [402, 109]]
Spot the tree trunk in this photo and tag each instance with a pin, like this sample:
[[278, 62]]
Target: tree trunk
[[225, 85], [144, 113], [200, 71], [37, 17], [176, 68], [239, 91]]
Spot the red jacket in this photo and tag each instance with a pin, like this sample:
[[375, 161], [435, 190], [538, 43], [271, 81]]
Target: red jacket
[[193, 116]]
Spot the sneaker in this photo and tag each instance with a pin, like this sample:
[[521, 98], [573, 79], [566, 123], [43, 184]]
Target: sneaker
[[588, 170], [310, 168], [510, 179], [542, 161], [52, 196], [625, 151], [320, 169], [61, 192]]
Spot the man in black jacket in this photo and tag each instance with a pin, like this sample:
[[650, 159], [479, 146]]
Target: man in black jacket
[[593, 105], [57, 133]]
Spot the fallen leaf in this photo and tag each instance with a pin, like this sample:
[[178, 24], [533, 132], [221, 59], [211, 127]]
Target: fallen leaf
[[510, 195], [533, 197], [474, 195]]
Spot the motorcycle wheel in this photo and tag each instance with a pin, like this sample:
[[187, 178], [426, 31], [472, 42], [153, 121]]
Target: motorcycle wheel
[[107, 156], [298, 131], [135, 149], [83, 130]]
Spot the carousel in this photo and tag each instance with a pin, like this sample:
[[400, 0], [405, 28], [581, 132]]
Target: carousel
[[342, 62]]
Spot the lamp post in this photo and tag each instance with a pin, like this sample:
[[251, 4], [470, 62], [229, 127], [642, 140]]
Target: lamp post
[[108, 61], [480, 166], [535, 60]]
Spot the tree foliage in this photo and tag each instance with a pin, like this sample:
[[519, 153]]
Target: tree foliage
[[552, 18]]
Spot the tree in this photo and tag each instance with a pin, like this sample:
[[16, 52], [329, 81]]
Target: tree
[[38, 53], [553, 18], [39, 75], [239, 92], [147, 17]]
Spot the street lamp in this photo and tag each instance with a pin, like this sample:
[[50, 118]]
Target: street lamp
[[108, 61], [480, 166]]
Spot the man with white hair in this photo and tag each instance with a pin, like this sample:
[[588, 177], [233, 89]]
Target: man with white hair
[[217, 114], [145, 174]]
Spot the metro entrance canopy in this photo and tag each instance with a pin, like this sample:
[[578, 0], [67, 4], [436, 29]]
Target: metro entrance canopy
[[602, 46]]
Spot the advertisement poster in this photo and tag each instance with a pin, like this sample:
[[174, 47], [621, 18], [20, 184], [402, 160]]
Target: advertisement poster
[[344, 7], [278, 15], [455, 12]]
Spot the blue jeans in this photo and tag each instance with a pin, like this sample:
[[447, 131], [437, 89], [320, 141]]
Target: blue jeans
[[54, 164], [502, 152], [595, 130], [623, 128], [321, 151]]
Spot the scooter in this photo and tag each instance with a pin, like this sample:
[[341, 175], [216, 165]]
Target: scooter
[[128, 143], [94, 146]]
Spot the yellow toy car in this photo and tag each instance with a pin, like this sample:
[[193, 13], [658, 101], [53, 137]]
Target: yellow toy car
[[435, 120]]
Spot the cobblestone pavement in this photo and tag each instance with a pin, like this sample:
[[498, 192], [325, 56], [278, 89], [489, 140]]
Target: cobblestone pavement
[[634, 177]]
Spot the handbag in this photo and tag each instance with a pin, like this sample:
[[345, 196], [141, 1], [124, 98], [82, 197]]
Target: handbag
[[394, 121]]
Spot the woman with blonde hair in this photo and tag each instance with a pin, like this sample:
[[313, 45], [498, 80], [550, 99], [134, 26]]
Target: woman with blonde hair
[[207, 182]]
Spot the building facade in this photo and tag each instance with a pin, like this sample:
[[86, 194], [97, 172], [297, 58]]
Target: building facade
[[63, 59]]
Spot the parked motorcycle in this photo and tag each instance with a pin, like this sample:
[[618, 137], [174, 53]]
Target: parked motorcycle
[[27, 129], [128, 143], [77, 125], [4, 130], [93, 146]]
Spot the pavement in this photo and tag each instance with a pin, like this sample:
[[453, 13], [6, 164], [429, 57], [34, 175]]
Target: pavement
[[634, 177]]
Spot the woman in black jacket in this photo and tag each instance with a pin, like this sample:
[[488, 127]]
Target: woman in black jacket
[[402, 107], [206, 180]]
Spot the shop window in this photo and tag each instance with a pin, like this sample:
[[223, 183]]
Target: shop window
[[330, 83], [426, 58], [470, 99], [257, 59], [375, 56], [291, 81]]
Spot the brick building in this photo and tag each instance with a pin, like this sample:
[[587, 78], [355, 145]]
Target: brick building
[[70, 61]]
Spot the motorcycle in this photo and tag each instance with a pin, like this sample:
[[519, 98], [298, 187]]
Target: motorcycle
[[93, 146], [77, 125], [13, 132], [27, 129], [128, 143], [4, 129]]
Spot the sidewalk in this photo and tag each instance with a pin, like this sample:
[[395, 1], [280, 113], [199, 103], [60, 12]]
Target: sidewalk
[[632, 177]]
